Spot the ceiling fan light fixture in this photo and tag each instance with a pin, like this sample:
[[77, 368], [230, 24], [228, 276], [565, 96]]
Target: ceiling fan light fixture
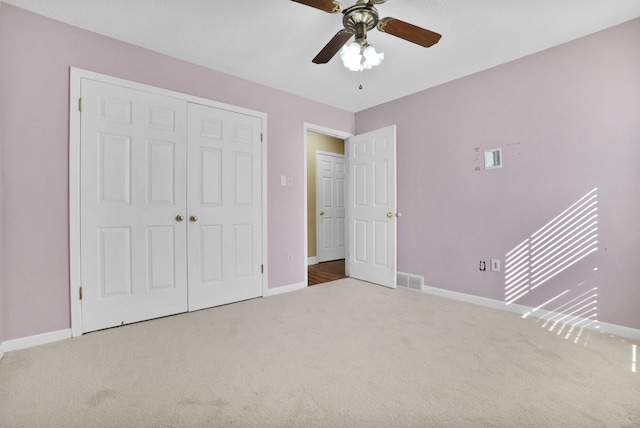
[[357, 20], [357, 57]]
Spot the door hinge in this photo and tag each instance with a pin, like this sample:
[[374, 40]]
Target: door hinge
[[80, 293], [261, 137], [79, 104], [262, 268]]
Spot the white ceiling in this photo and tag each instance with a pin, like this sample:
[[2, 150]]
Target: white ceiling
[[272, 42]]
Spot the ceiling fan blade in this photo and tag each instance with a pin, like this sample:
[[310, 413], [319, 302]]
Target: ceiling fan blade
[[409, 32], [333, 47], [330, 6]]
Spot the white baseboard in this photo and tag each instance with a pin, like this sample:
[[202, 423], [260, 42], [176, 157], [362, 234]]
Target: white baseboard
[[285, 289], [38, 339], [617, 330], [312, 261]]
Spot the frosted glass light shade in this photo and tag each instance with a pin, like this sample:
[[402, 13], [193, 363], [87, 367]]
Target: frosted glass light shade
[[372, 58], [357, 58]]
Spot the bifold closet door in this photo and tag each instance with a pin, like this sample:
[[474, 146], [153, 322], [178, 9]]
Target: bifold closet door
[[133, 205], [224, 204]]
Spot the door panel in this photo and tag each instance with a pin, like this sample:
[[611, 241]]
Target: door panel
[[371, 208], [330, 202], [133, 184], [161, 173], [211, 179], [114, 160], [224, 181], [161, 250], [211, 244], [114, 261]]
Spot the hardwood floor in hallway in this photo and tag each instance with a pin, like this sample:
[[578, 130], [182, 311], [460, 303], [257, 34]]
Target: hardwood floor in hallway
[[325, 272]]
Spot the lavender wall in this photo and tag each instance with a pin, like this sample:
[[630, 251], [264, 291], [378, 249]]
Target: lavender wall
[[36, 54], [1, 188], [568, 121]]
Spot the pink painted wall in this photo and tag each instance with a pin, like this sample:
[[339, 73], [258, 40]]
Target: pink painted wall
[[36, 54], [1, 198], [568, 121]]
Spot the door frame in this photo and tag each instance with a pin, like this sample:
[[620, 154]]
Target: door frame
[[344, 159], [318, 129], [75, 80]]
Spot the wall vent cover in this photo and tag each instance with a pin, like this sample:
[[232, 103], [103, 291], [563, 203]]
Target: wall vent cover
[[413, 282]]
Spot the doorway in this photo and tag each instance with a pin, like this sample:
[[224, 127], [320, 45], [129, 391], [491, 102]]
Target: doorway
[[371, 205], [325, 141]]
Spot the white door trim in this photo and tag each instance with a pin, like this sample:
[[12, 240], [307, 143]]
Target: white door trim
[[75, 78], [332, 133]]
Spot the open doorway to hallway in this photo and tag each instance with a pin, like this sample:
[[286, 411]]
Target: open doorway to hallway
[[325, 223]]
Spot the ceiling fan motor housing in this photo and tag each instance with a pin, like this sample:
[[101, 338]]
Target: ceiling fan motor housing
[[359, 19]]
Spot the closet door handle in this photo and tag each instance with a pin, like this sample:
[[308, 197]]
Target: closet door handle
[[193, 218], [179, 217]]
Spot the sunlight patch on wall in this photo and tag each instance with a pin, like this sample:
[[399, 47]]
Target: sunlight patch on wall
[[517, 272], [565, 240], [557, 246]]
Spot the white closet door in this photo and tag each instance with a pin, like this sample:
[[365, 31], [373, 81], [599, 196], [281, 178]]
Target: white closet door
[[224, 206], [133, 185]]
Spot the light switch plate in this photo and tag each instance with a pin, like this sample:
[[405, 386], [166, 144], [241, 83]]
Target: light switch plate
[[495, 265]]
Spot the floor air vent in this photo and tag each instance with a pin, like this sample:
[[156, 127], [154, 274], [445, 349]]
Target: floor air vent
[[413, 282]]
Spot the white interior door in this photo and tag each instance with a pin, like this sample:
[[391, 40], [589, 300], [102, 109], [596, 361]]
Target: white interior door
[[330, 203], [133, 181], [224, 206], [371, 206]]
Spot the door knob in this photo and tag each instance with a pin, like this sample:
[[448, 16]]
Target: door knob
[[179, 217], [321, 212], [193, 218], [389, 215]]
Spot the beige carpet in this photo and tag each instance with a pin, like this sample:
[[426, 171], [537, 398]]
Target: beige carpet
[[342, 354]]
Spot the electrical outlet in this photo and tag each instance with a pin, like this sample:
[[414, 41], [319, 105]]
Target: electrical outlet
[[495, 265], [289, 257], [483, 266]]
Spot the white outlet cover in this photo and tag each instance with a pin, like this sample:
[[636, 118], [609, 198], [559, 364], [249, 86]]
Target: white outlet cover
[[495, 265]]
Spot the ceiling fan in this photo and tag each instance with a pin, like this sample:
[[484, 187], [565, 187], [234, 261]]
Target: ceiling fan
[[357, 20]]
